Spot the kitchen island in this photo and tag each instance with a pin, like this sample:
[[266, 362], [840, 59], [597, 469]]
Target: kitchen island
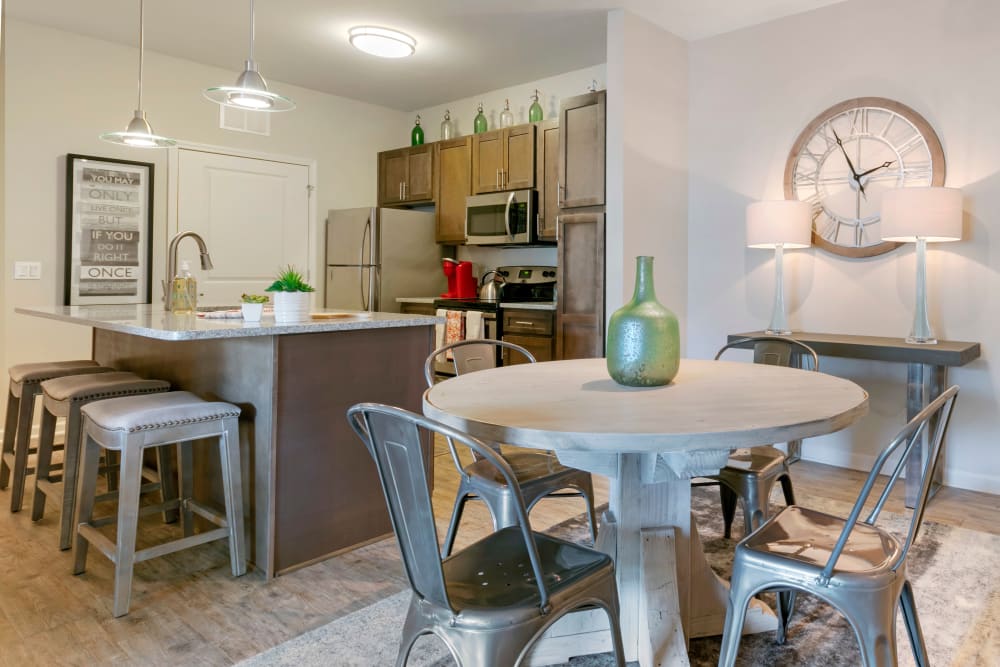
[[310, 487]]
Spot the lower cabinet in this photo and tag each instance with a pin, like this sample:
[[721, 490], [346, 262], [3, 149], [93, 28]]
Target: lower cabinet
[[532, 330], [580, 274]]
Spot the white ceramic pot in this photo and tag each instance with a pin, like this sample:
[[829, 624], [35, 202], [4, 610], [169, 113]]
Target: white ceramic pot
[[291, 306], [252, 311]]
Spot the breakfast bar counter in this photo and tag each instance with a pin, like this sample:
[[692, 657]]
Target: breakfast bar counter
[[310, 487]]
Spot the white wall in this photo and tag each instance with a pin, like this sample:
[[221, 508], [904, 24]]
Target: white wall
[[63, 90], [552, 89], [751, 93], [647, 158]]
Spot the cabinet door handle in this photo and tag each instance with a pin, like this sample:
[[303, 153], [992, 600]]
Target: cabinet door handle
[[496, 179], [559, 191], [404, 189], [503, 178], [527, 324], [400, 189], [558, 218]]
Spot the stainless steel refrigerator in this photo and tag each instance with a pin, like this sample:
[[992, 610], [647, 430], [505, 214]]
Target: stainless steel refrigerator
[[374, 255]]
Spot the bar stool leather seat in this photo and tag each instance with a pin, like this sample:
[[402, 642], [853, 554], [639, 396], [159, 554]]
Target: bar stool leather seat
[[129, 425], [64, 397], [25, 385]]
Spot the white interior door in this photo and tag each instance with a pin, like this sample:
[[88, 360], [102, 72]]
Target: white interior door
[[253, 215]]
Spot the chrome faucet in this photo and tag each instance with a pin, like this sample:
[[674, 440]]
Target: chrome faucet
[[206, 260]]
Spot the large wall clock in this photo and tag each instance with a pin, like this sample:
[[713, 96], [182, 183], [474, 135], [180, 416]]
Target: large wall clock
[[848, 157]]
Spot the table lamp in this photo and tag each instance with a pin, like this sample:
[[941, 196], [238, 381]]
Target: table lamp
[[780, 224], [921, 215]]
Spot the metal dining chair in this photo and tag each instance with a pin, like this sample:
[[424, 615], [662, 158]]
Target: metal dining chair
[[489, 602], [752, 472], [855, 566], [539, 474]]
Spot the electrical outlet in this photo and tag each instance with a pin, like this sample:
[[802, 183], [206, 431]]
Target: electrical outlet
[[27, 270]]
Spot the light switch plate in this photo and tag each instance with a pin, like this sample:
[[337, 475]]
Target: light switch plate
[[27, 270]]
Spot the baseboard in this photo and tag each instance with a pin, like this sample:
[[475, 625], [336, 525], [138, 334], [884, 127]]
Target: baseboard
[[36, 428]]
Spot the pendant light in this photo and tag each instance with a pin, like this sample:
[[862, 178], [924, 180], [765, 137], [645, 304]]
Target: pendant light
[[138, 134], [250, 92]]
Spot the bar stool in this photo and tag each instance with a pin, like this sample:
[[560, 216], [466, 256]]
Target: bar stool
[[129, 425], [64, 397], [25, 385]]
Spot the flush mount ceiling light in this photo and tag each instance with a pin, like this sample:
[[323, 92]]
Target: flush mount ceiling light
[[382, 42], [250, 92], [138, 134]]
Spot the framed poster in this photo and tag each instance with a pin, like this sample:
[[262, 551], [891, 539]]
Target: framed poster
[[109, 225]]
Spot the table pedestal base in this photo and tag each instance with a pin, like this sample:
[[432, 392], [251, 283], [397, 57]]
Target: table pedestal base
[[667, 590]]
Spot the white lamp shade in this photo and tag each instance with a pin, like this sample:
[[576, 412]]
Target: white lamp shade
[[933, 214], [786, 222]]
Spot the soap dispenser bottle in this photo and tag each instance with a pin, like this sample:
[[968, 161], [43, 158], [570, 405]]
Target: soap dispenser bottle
[[184, 291]]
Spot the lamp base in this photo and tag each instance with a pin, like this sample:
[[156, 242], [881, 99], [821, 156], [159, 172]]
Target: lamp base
[[779, 332], [920, 340]]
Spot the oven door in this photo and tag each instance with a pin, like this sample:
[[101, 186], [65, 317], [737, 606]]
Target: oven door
[[502, 218], [446, 367]]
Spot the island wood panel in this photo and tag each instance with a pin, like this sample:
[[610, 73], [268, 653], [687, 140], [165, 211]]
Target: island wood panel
[[327, 493], [237, 370]]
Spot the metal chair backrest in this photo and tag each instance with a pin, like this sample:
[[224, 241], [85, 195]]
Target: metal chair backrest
[[938, 411], [474, 354], [774, 350], [393, 438]]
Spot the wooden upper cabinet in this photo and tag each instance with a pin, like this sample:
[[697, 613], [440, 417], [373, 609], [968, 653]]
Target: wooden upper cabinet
[[503, 159], [419, 174], [406, 175], [580, 276], [547, 176], [391, 176], [582, 150], [519, 149], [487, 161], [454, 184]]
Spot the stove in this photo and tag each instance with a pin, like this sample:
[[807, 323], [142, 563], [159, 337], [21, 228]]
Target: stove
[[519, 284]]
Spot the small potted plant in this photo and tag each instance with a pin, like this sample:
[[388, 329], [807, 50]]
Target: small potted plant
[[291, 296], [253, 306]]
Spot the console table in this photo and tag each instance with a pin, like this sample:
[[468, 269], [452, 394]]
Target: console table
[[926, 375]]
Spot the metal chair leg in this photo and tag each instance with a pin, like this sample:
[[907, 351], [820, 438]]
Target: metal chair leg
[[786, 489], [456, 517], [736, 611], [908, 606], [785, 608], [729, 499], [587, 489], [873, 620]]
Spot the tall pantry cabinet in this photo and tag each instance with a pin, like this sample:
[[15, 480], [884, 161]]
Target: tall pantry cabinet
[[580, 195]]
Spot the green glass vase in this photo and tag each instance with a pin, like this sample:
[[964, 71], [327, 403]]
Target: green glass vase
[[417, 133], [644, 341], [479, 122], [535, 110]]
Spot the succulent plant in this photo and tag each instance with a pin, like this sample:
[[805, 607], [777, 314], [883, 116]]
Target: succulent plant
[[255, 298]]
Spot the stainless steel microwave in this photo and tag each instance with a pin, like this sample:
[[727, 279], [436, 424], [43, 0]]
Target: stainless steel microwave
[[500, 218]]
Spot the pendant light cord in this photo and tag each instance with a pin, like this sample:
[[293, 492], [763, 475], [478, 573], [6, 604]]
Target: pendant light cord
[[251, 30], [141, 31]]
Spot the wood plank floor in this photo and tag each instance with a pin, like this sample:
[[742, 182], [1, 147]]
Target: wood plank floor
[[188, 610]]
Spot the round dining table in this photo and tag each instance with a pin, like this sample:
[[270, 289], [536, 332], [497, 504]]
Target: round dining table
[[650, 442]]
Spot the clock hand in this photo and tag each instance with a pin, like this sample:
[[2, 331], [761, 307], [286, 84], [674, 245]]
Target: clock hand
[[884, 165], [843, 150]]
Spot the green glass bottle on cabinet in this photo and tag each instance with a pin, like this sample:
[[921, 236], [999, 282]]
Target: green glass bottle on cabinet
[[535, 112], [479, 122], [417, 134]]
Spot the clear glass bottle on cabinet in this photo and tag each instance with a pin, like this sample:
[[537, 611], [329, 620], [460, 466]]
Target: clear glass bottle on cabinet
[[506, 116], [447, 126]]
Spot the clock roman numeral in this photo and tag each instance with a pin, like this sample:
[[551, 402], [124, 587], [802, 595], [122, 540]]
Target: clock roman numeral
[[827, 227], [911, 144], [917, 171], [859, 121]]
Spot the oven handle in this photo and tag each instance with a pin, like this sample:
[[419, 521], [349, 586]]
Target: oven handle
[[506, 215]]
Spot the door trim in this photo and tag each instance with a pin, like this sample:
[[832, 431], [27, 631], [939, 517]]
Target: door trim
[[315, 271]]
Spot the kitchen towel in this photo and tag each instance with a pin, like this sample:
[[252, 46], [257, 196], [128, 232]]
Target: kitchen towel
[[474, 324], [454, 329], [439, 328]]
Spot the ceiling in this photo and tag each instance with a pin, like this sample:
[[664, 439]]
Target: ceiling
[[464, 47]]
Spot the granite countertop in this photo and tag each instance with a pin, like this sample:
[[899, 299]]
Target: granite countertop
[[415, 299], [153, 322], [532, 305]]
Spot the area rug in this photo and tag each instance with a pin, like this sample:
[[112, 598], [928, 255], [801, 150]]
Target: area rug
[[955, 574]]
